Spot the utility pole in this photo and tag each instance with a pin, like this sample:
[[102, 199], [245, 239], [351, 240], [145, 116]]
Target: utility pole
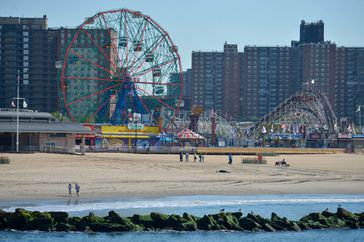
[[359, 109], [17, 111]]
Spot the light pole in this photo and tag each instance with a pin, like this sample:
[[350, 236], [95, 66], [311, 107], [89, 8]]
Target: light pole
[[359, 111], [136, 130], [17, 111]]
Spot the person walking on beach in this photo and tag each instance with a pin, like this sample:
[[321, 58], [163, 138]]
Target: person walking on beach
[[187, 155], [77, 187], [70, 189], [194, 157], [181, 156], [230, 159], [202, 158]]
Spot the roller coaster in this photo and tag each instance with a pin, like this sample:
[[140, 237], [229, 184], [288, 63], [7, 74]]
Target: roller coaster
[[304, 115], [304, 112]]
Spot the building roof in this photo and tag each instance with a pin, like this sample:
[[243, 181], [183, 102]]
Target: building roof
[[37, 122], [40, 127], [26, 115]]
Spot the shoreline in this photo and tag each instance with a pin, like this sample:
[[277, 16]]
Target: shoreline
[[115, 197], [182, 200]]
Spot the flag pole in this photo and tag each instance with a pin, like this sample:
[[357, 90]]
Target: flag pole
[[360, 119], [17, 112]]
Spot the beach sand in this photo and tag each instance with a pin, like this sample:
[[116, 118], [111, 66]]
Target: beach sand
[[101, 175]]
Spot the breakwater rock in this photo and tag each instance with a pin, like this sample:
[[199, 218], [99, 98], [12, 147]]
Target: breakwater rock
[[23, 219]]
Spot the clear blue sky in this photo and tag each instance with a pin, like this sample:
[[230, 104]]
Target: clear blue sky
[[206, 24]]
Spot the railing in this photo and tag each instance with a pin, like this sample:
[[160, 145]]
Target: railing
[[176, 149], [31, 149], [139, 149], [14, 110]]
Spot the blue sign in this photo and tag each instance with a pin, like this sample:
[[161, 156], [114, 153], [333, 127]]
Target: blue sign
[[287, 136], [356, 136]]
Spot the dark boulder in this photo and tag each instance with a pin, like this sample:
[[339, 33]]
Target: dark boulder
[[346, 215], [256, 218], [65, 227], [228, 221], [189, 226], [125, 223], [145, 221], [249, 224], [208, 222], [190, 217], [283, 224], [90, 222], [2, 219], [42, 224], [18, 220], [175, 222], [237, 214], [160, 220], [59, 217]]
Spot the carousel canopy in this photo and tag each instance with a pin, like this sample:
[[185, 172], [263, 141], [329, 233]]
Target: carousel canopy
[[189, 134]]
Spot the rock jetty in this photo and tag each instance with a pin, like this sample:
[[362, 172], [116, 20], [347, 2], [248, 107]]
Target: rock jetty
[[24, 220]]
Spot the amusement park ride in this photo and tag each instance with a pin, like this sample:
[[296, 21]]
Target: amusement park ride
[[121, 64]]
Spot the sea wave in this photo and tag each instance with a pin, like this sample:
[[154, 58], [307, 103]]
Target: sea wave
[[182, 203]]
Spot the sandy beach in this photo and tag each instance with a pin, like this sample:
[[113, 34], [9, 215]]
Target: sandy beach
[[46, 176]]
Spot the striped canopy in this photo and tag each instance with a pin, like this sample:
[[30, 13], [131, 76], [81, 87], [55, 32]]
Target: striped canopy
[[189, 134]]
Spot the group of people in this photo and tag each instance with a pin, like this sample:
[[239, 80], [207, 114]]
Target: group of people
[[201, 157], [77, 188]]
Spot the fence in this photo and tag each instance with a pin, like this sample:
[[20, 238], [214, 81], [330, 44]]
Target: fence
[[253, 161]]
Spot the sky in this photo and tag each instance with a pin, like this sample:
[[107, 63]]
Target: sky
[[205, 25]]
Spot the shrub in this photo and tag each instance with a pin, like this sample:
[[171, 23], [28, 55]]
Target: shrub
[[4, 160]]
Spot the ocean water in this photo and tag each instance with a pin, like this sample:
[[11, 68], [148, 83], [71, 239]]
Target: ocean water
[[292, 206], [307, 236]]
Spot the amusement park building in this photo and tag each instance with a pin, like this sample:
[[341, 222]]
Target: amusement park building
[[38, 131]]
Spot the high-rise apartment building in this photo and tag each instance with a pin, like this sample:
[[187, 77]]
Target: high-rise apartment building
[[185, 104], [349, 86], [82, 75], [267, 79], [27, 46], [207, 80], [232, 82], [312, 32], [216, 81], [316, 67], [187, 90]]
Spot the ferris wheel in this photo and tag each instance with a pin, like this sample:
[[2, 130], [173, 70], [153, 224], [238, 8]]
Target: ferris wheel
[[117, 63]]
